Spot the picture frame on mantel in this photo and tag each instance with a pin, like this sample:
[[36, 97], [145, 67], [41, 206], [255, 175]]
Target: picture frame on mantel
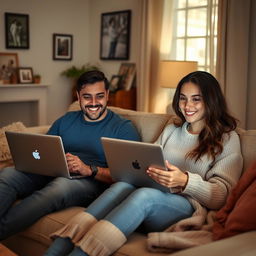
[[62, 47], [16, 31], [128, 72], [114, 83], [9, 63], [25, 75], [115, 35]]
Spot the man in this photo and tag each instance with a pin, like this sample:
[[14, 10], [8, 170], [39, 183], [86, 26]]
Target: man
[[114, 32], [81, 132]]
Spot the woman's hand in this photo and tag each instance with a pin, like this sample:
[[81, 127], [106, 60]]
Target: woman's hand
[[174, 177], [75, 165]]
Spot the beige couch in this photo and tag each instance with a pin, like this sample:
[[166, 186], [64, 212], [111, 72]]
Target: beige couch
[[34, 240]]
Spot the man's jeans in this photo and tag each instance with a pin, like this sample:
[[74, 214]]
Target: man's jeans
[[40, 196]]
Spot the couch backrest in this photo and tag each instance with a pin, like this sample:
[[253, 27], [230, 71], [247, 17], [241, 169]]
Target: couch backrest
[[150, 126]]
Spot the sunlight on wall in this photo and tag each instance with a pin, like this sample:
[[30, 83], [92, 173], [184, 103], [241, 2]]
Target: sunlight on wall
[[166, 36], [166, 96]]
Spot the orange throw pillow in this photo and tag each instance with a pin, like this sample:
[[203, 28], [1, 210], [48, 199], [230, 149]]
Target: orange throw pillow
[[238, 214]]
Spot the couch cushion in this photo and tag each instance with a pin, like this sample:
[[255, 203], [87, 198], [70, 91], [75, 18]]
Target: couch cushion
[[5, 155], [248, 146], [43, 129], [5, 151], [74, 106], [40, 231], [240, 245], [50, 223]]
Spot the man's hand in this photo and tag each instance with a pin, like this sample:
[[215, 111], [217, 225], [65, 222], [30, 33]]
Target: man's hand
[[174, 177], [75, 165]]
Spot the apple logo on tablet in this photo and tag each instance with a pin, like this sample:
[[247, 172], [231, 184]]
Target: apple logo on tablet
[[36, 154], [135, 164]]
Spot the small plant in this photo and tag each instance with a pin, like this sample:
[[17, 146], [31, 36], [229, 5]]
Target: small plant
[[37, 78], [75, 72]]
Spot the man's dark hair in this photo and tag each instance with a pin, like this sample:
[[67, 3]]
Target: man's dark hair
[[91, 77]]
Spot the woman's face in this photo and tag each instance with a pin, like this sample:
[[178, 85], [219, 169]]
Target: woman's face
[[192, 106]]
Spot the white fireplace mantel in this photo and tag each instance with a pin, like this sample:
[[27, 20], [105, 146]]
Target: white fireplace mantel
[[27, 93]]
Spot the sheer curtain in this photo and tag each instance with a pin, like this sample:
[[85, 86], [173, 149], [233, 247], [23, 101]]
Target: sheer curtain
[[151, 20]]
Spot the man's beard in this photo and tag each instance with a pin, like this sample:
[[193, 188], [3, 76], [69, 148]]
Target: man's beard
[[94, 106]]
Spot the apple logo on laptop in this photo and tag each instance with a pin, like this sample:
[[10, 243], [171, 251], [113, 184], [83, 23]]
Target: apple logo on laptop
[[135, 164], [36, 154]]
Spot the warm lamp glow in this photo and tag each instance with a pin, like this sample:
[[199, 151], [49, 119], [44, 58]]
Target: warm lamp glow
[[171, 72]]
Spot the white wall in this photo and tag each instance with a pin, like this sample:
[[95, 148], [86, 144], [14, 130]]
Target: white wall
[[81, 18], [45, 18]]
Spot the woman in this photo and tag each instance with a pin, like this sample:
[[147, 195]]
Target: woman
[[204, 162]]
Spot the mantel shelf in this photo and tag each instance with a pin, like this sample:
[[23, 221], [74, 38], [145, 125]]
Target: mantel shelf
[[22, 85]]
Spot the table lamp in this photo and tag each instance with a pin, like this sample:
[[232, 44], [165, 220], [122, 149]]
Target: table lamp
[[172, 71]]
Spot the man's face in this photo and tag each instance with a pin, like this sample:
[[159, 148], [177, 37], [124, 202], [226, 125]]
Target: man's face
[[93, 101]]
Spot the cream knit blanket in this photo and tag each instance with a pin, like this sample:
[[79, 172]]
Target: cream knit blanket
[[186, 233]]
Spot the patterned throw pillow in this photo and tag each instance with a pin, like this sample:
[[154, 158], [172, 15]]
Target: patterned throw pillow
[[4, 148]]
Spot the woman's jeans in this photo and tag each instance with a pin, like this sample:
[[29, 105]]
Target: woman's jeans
[[127, 207], [40, 196]]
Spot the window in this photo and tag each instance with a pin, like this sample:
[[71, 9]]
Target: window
[[194, 32]]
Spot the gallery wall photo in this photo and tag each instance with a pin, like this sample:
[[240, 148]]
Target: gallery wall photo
[[16, 31], [115, 35]]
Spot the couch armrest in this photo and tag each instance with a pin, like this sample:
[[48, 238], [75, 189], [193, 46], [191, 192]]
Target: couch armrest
[[38, 129], [242, 244]]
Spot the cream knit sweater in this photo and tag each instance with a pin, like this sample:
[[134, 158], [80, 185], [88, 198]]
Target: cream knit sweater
[[207, 189], [208, 183]]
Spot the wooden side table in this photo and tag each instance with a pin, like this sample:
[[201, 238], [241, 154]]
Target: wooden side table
[[4, 251], [123, 99]]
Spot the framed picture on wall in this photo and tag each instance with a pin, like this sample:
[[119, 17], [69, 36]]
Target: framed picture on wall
[[62, 47], [9, 63], [25, 75], [115, 35], [16, 31]]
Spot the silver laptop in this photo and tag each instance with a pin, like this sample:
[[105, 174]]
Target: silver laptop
[[39, 154], [129, 160]]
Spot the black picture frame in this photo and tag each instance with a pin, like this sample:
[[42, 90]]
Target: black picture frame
[[62, 47], [16, 31], [115, 35]]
